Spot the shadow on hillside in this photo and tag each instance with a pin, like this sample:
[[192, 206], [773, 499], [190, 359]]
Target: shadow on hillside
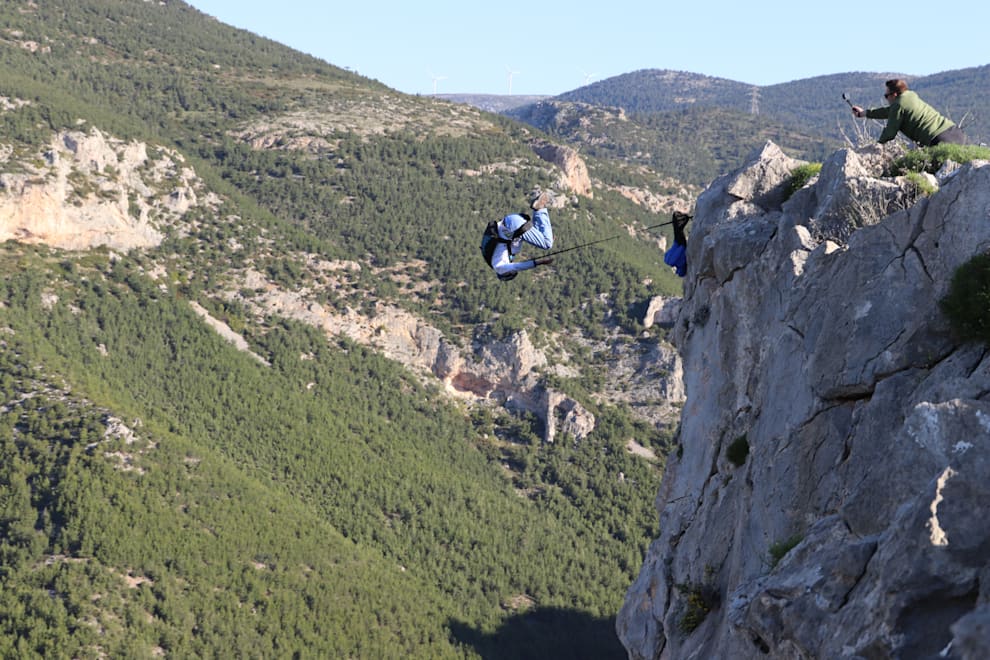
[[545, 634]]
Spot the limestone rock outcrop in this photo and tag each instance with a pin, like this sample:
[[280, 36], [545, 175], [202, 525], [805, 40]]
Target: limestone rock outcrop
[[662, 311], [89, 189], [574, 172], [506, 371], [829, 493]]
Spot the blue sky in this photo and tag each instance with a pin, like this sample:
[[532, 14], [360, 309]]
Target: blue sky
[[554, 46]]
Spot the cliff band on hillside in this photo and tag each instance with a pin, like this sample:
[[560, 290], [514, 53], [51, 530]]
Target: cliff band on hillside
[[829, 493], [90, 189]]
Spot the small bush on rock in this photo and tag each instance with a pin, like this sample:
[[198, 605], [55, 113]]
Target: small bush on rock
[[967, 305], [781, 548], [738, 450], [922, 186], [698, 602], [800, 176], [930, 159]]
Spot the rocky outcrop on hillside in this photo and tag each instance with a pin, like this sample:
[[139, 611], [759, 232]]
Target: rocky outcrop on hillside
[[574, 173], [505, 372], [582, 124], [581, 120], [828, 496], [493, 102], [317, 131], [88, 189]]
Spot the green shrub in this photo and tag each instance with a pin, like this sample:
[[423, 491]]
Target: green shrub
[[800, 176], [698, 602], [781, 548], [967, 304], [930, 159], [921, 185], [738, 450]]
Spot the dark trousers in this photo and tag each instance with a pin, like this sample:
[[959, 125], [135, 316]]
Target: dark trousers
[[953, 135]]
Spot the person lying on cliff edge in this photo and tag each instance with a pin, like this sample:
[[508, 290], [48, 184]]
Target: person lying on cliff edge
[[503, 239], [676, 254], [907, 113]]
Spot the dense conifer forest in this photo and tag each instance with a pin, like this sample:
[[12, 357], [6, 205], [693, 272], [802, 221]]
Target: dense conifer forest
[[246, 508]]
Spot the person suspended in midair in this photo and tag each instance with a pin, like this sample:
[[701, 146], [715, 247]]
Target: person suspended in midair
[[503, 238], [676, 254]]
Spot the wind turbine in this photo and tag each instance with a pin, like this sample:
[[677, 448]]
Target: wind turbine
[[588, 76], [511, 73], [436, 79]]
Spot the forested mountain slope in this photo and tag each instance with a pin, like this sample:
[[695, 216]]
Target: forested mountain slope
[[692, 144], [696, 127], [812, 105], [167, 490]]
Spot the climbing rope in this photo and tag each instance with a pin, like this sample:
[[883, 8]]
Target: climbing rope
[[602, 240]]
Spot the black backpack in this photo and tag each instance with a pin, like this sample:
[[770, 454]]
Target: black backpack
[[490, 239]]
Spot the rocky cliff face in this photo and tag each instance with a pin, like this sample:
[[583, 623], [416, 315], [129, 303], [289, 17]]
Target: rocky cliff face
[[829, 495], [88, 189], [573, 171]]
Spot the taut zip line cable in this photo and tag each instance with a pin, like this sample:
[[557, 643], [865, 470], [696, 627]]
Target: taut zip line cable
[[602, 240]]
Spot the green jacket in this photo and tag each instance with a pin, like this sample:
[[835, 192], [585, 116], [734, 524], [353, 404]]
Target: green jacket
[[911, 116]]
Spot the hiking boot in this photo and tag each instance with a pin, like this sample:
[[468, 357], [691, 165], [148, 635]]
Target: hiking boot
[[540, 199]]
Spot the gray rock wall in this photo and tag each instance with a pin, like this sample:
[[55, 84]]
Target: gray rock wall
[[856, 526]]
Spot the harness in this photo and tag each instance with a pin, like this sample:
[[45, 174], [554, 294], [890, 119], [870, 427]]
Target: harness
[[491, 238]]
